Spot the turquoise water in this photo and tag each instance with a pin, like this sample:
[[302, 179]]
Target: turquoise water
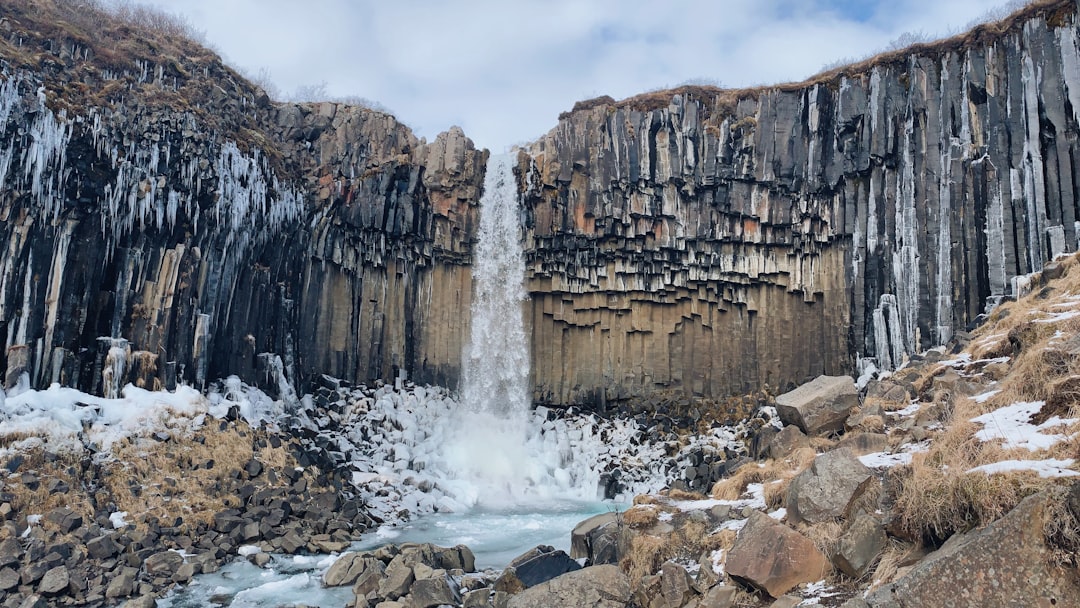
[[495, 536]]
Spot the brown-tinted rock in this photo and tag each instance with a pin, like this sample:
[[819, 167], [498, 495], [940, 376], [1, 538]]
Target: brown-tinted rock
[[789, 439], [676, 586], [819, 406], [773, 557]]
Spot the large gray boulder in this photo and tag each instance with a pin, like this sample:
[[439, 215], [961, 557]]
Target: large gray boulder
[[819, 406], [774, 558], [597, 539], [1005, 564], [604, 586], [825, 490]]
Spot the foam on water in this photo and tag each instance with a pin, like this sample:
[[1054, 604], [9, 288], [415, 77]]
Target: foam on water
[[288, 581]]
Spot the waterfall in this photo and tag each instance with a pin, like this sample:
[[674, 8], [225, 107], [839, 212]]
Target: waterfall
[[496, 370], [487, 450]]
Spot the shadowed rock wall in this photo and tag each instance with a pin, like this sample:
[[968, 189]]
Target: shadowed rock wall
[[709, 241], [163, 221]]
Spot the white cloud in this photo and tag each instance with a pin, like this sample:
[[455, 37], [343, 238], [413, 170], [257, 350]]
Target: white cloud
[[503, 70]]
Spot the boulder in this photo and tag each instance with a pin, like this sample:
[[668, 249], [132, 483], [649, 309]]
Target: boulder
[[543, 566], [861, 444], [596, 539], [826, 489], [477, 598], [103, 547], [860, 546], [1007, 563], [369, 579], [772, 557], [9, 579], [163, 564], [122, 584], [789, 439], [54, 582], [720, 596], [346, 569], [819, 406], [604, 586], [676, 587], [397, 580], [434, 591]]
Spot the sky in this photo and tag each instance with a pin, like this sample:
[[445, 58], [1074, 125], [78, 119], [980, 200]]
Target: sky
[[503, 70]]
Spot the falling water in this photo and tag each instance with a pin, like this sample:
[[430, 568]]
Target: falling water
[[487, 450], [497, 360]]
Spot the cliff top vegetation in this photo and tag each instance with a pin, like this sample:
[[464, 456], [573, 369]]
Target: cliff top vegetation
[[723, 101]]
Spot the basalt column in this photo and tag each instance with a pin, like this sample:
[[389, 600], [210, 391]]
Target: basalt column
[[705, 241]]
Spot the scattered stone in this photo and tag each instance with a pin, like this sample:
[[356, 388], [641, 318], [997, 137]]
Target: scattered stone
[[676, 587], [369, 578], [543, 566], [860, 546], [786, 601], [825, 490], [720, 596], [9, 579], [122, 584], [65, 519], [604, 586], [434, 591], [820, 406], [54, 582], [103, 547], [785, 442], [34, 601], [163, 564], [478, 598], [774, 558]]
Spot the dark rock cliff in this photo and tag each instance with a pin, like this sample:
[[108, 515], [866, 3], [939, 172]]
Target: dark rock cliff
[[708, 241], [163, 221]]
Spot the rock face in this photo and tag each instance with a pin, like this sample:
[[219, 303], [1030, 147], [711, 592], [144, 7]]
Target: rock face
[[178, 226], [712, 241], [972, 570]]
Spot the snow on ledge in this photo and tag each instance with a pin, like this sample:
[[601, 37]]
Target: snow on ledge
[[1050, 467]]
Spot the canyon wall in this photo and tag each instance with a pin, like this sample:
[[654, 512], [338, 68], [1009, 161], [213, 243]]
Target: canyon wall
[[163, 221], [705, 242]]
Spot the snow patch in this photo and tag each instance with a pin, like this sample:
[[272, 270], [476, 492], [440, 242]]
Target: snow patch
[[1011, 425], [1051, 467]]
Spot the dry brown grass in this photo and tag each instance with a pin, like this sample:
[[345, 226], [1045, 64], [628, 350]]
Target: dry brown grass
[[898, 554], [825, 535], [641, 516], [172, 478], [677, 494], [760, 472], [687, 543]]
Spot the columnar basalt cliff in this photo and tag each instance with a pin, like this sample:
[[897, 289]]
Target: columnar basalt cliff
[[709, 241], [163, 221]]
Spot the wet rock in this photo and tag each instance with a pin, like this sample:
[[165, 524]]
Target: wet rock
[[601, 537], [538, 567]]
